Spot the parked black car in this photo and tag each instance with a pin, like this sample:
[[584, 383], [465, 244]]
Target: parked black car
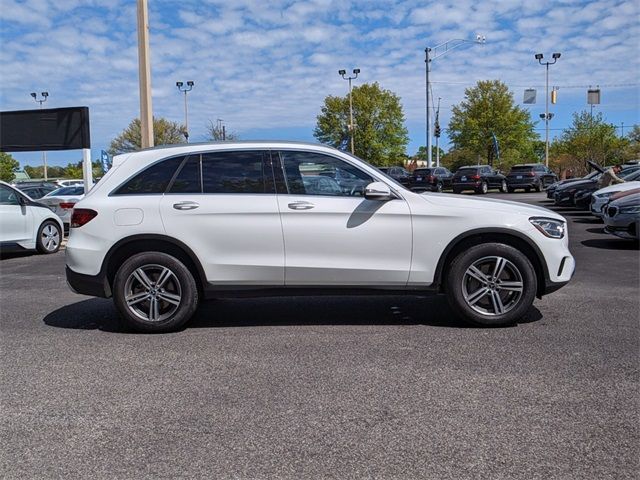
[[528, 176], [435, 179], [578, 194], [551, 189], [36, 191], [399, 174], [479, 178]]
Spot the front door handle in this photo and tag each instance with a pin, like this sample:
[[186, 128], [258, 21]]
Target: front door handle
[[301, 206], [186, 205]]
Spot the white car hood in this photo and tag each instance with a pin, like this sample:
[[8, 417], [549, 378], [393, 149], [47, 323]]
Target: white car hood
[[618, 187], [489, 205]]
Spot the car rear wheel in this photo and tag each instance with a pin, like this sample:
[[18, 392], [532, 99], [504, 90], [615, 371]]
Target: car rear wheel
[[456, 190], [538, 188], [503, 187], [155, 292], [439, 187], [483, 188], [49, 237], [491, 284], [511, 189]]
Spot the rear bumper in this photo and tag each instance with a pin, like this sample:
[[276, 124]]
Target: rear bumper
[[93, 285]]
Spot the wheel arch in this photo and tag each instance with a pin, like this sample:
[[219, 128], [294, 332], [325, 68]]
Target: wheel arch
[[134, 244], [493, 235]]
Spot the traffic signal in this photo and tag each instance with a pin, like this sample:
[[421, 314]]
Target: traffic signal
[[437, 130]]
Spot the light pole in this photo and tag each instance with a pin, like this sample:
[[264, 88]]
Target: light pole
[[439, 51], [45, 95], [352, 127], [546, 117], [186, 89]]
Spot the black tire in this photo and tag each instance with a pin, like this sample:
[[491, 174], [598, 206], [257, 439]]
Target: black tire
[[180, 287], [439, 187], [511, 189], [538, 188], [462, 287], [527, 189], [49, 237], [456, 190], [483, 188], [503, 186]]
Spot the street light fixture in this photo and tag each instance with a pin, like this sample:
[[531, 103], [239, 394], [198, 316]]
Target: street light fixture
[[547, 116], [439, 51], [186, 89], [352, 127], [45, 95]]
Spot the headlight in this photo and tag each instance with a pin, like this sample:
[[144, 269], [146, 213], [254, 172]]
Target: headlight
[[630, 209], [549, 227]]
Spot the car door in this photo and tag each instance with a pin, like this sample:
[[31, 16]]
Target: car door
[[339, 239], [223, 205], [16, 218]]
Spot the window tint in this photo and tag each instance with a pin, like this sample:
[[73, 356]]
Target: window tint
[[235, 172], [303, 171], [467, 171], [8, 196], [152, 180], [70, 191], [422, 171], [188, 179]]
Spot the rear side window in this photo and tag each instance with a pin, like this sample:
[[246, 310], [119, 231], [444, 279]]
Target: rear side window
[[236, 172], [189, 178], [152, 180]]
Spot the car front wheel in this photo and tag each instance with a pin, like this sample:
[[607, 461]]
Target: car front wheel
[[491, 284], [503, 186], [155, 292]]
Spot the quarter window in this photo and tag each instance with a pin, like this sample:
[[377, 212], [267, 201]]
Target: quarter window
[[8, 196], [310, 173], [152, 180]]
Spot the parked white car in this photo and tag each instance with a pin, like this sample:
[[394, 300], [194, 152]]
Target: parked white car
[[27, 224], [601, 197], [169, 226], [62, 201], [70, 183]]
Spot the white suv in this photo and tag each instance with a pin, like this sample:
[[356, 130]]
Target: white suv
[[169, 226]]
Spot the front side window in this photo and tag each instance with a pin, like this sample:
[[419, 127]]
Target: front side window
[[309, 173], [189, 178], [152, 180], [236, 172]]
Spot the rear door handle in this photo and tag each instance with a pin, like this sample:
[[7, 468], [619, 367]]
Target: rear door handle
[[301, 206], [186, 205]]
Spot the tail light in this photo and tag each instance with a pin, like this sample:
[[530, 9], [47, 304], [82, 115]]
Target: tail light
[[82, 216], [475, 177], [67, 205], [430, 178], [531, 174]]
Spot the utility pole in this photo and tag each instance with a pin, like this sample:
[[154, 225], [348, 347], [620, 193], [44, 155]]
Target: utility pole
[[437, 132], [439, 51], [352, 127], [546, 117], [45, 95], [144, 76]]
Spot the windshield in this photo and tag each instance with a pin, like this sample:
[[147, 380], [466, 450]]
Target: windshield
[[422, 171], [467, 171], [520, 168], [627, 172], [633, 176]]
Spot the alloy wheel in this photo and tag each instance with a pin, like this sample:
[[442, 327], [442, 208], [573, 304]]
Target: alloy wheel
[[50, 238], [152, 293], [492, 286]]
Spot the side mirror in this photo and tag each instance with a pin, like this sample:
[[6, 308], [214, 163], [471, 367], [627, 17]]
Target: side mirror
[[378, 191]]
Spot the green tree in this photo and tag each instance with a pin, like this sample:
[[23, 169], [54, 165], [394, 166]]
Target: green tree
[[216, 133], [588, 138], [8, 167], [380, 135], [489, 109], [632, 150], [165, 132], [458, 157], [73, 170]]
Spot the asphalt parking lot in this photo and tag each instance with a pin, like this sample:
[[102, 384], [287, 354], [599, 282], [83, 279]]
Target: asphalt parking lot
[[325, 387]]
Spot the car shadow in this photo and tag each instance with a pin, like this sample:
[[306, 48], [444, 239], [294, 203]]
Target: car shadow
[[596, 230], [100, 314], [17, 254], [611, 244]]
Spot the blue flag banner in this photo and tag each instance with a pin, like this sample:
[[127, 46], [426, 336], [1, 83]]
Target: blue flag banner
[[106, 161]]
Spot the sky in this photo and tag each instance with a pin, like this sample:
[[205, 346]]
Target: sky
[[265, 67]]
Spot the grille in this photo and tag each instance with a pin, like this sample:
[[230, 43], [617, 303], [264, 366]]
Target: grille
[[611, 211]]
